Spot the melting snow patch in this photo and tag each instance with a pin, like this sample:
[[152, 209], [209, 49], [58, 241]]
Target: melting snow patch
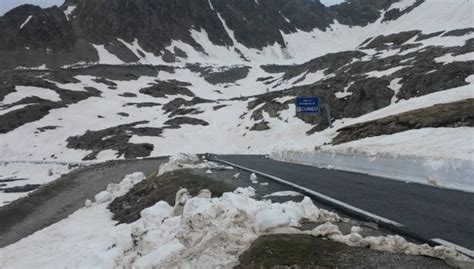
[[253, 177], [115, 190], [283, 193], [105, 57], [402, 5], [26, 91], [69, 11], [342, 94], [26, 21], [449, 58], [188, 161]]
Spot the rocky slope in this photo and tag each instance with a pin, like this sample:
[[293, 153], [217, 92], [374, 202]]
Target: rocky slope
[[64, 35], [95, 80]]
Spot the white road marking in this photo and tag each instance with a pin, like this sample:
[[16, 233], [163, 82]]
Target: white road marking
[[320, 195], [461, 249]]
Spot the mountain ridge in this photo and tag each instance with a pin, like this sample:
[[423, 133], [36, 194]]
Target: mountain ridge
[[63, 35]]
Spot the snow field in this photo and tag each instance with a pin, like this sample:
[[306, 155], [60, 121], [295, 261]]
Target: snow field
[[300, 45], [23, 173]]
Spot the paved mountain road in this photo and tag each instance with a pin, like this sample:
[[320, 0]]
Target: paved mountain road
[[425, 210]]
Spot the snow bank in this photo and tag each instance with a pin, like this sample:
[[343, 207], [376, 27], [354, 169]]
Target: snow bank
[[118, 189], [206, 233], [442, 157], [188, 161], [390, 243]]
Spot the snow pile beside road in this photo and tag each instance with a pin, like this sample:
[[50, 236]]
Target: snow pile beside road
[[115, 190], [390, 243], [211, 232], [205, 233], [188, 161], [441, 157]]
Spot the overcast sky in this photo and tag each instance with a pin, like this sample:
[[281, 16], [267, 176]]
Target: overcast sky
[[6, 5]]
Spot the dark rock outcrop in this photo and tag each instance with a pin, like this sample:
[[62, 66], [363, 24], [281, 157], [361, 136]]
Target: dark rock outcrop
[[453, 115]]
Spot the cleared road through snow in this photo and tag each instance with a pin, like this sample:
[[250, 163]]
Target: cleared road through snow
[[427, 211]]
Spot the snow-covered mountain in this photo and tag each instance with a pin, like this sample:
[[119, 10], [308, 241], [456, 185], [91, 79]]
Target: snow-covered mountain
[[98, 80]]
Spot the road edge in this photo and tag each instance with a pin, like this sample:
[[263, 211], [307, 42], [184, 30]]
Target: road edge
[[357, 213]]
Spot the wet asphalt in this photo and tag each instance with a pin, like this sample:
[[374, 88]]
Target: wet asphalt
[[424, 210]]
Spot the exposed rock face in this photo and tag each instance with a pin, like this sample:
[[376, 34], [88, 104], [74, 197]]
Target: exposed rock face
[[228, 75], [396, 39], [178, 121], [453, 115], [36, 108], [418, 73], [115, 138], [54, 39], [164, 88]]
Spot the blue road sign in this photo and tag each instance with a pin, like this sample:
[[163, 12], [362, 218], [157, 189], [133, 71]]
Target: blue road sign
[[307, 105]]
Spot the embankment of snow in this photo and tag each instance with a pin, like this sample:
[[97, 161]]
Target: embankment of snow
[[441, 157]]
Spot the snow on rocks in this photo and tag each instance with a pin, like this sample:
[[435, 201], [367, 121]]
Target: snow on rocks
[[188, 161], [249, 191], [211, 232], [115, 190], [271, 218], [390, 243], [253, 178], [69, 11], [157, 213], [103, 196], [283, 193], [87, 203], [26, 21]]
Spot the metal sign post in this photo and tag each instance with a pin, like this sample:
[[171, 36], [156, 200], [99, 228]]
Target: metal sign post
[[328, 114]]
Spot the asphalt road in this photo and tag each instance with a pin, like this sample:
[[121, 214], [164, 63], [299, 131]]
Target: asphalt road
[[57, 200], [427, 211]]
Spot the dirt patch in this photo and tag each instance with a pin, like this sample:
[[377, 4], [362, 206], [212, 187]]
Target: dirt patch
[[127, 208], [455, 114], [306, 251]]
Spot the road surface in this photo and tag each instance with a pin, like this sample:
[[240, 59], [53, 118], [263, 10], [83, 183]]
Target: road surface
[[432, 213]]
